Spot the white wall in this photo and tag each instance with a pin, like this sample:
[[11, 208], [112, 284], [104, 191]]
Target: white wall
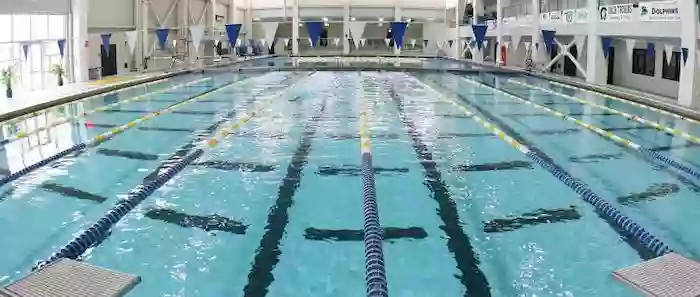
[[111, 14], [35, 6], [123, 55], [623, 75]]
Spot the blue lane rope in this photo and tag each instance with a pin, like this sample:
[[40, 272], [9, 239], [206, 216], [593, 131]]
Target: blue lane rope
[[671, 162], [643, 236], [99, 230], [375, 276], [44, 162]]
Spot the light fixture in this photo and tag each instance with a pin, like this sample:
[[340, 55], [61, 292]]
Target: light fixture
[[431, 19], [352, 18], [379, 24], [301, 24], [256, 19], [325, 19], [326, 24], [381, 19]]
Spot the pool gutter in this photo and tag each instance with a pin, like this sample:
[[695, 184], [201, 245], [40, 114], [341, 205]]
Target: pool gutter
[[97, 91], [667, 106]]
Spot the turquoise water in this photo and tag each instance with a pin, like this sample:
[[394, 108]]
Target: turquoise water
[[276, 209]]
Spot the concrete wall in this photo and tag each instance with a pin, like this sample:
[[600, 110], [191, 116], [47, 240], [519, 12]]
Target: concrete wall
[[111, 14], [623, 75]]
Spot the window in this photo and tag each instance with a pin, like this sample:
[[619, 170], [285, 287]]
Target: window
[[672, 69], [21, 27], [6, 25], [57, 26], [40, 27], [643, 63]]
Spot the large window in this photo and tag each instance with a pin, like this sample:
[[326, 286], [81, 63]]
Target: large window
[[672, 69], [643, 63], [40, 34]]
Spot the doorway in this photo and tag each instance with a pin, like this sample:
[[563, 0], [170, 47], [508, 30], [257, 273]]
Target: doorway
[[611, 65], [109, 62], [569, 66]]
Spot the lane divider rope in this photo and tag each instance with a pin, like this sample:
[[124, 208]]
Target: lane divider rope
[[646, 239], [100, 229], [605, 134], [61, 121], [631, 117], [668, 113], [109, 134], [375, 272], [38, 113]]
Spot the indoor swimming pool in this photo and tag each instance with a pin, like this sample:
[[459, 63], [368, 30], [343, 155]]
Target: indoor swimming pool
[[276, 207]]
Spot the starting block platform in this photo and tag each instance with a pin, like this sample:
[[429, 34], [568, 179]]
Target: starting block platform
[[70, 278], [671, 275]]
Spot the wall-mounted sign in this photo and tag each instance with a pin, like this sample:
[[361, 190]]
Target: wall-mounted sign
[[581, 16], [569, 16], [616, 13], [555, 17], [659, 11]]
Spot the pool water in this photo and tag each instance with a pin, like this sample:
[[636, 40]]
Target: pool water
[[276, 208]]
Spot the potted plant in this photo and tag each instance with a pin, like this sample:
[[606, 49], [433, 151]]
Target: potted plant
[[57, 69], [6, 79]]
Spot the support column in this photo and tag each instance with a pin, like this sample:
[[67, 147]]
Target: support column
[[248, 22], [397, 18], [183, 46], [689, 86], [295, 27], [477, 10], [136, 58], [81, 52], [145, 26], [346, 28], [596, 64], [499, 31], [231, 12], [539, 56]]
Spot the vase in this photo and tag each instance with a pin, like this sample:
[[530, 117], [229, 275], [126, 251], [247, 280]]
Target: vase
[[60, 81], [8, 92]]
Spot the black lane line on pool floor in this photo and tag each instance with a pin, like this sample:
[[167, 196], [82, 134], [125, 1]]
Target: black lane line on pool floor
[[354, 170], [156, 129], [537, 217], [390, 234], [127, 154], [595, 158], [498, 166], [666, 148], [641, 250], [268, 252], [543, 114], [472, 277], [72, 192], [653, 192], [208, 223], [226, 165]]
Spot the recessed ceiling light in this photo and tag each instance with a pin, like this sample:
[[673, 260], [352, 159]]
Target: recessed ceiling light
[[256, 19], [381, 19], [326, 24], [352, 18], [301, 24], [380, 24], [325, 19]]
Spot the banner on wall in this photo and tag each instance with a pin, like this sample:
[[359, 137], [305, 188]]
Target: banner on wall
[[314, 29], [387, 41], [616, 13], [579, 41], [232, 31], [105, 42], [548, 38], [197, 32], [569, 16], [630, 43], [668, 49], [606, 43], [651, 49], [479, 34], [659, 11], [398, 30], [62, 47], [581, 16], [555, 17], [515, 38], [269, 30], [356, 30], [131, 40], [684, 52], [25, 49], [162, 35]]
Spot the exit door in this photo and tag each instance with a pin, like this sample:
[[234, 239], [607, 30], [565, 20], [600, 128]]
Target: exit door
[[109, 62]]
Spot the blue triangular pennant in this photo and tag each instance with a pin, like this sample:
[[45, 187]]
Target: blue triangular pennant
[[606, 42], [425, 42], [684, 51], [62, 47], [105, 42], [25, 49], [162, 35], [479, 34], [548, 38], [398, 30], [651, 50], [232, 31], [314, 29]]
